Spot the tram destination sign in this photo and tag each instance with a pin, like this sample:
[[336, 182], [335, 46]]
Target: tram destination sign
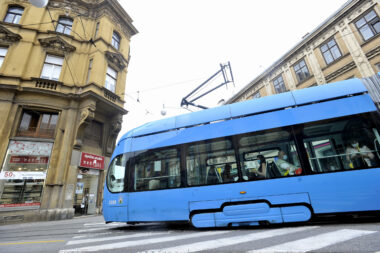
[[91, 161]]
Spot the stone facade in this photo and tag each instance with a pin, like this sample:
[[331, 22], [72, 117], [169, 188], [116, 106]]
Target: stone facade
[[345, 34], [55, 92]]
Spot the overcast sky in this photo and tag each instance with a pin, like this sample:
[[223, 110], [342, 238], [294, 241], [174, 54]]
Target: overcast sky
[[181, 43]]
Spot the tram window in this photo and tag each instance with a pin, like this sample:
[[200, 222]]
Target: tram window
[[157, 169], [211, 162], [116, 173], [330, 144], [268, 155]]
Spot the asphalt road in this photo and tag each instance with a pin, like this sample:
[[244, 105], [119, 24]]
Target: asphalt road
[[90, 234]]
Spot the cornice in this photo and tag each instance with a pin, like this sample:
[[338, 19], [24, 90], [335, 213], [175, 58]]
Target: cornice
[[97, 8], [305, 45]]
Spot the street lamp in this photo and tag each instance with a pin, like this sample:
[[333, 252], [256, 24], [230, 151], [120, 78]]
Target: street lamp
[[39, 3]]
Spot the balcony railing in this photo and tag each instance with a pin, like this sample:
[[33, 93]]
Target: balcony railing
[[46, 84]]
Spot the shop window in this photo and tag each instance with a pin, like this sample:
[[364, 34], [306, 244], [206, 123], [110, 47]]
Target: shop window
[[115, 40], [64, 25], [301, 71], [37, 124], [330, 51], [23, 174], [3, 52], [111, 79], [52, 67], [368, 25], [279, 85], [14, 14]]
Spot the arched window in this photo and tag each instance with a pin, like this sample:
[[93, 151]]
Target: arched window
[[64, 25], [14, 14], [116, 40]]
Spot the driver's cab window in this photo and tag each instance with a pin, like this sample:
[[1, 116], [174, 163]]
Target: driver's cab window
[[117, 173], [348, 143]]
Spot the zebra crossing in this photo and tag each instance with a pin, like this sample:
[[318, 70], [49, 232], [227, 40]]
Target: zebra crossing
[[100, 237]]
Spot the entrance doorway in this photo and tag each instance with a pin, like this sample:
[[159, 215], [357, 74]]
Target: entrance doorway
[[86, 192]]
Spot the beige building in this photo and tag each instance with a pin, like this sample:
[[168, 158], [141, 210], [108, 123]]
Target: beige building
[[344, 46], [62, 77]]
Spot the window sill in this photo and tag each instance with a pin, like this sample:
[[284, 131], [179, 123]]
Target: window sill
[[11, 24], [369, 40], [304, 81], [61, 34], [335, 61]]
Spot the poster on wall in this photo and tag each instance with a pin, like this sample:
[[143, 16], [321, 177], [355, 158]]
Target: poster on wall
[[79, 189]]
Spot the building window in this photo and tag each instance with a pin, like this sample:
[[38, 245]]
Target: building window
[[256, 95], [96, 30], [368, 25], [279, 85], [111, 79], [52, 67], [377, 66], [14, 14], [37, 124], [330, 51], [64, 25], [89, 70], [301, 71], [3, 52], [116, 40]]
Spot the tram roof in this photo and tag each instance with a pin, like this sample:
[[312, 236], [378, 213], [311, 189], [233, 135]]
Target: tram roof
[[254, 106]]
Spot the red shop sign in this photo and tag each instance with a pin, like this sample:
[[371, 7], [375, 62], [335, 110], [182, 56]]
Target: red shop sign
[[29, 159], [91, 161]]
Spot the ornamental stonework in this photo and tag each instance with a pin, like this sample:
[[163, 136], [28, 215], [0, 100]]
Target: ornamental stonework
[[56, 45], [7, 37]]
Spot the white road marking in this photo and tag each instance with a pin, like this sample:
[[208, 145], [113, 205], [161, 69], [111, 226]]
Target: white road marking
[[104, 224], [95, 240], [143, 242], [223, 242], [93, 229], [316, 242], [96, 234]]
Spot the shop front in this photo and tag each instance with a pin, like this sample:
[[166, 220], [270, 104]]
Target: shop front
[[23, 174], [88, 192]]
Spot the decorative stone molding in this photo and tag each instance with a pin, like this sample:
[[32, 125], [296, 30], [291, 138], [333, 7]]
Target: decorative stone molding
[[115, 127], [374, 52], [56, 45], [87, 114], [7, 37], [340, 71], [116, 60]]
